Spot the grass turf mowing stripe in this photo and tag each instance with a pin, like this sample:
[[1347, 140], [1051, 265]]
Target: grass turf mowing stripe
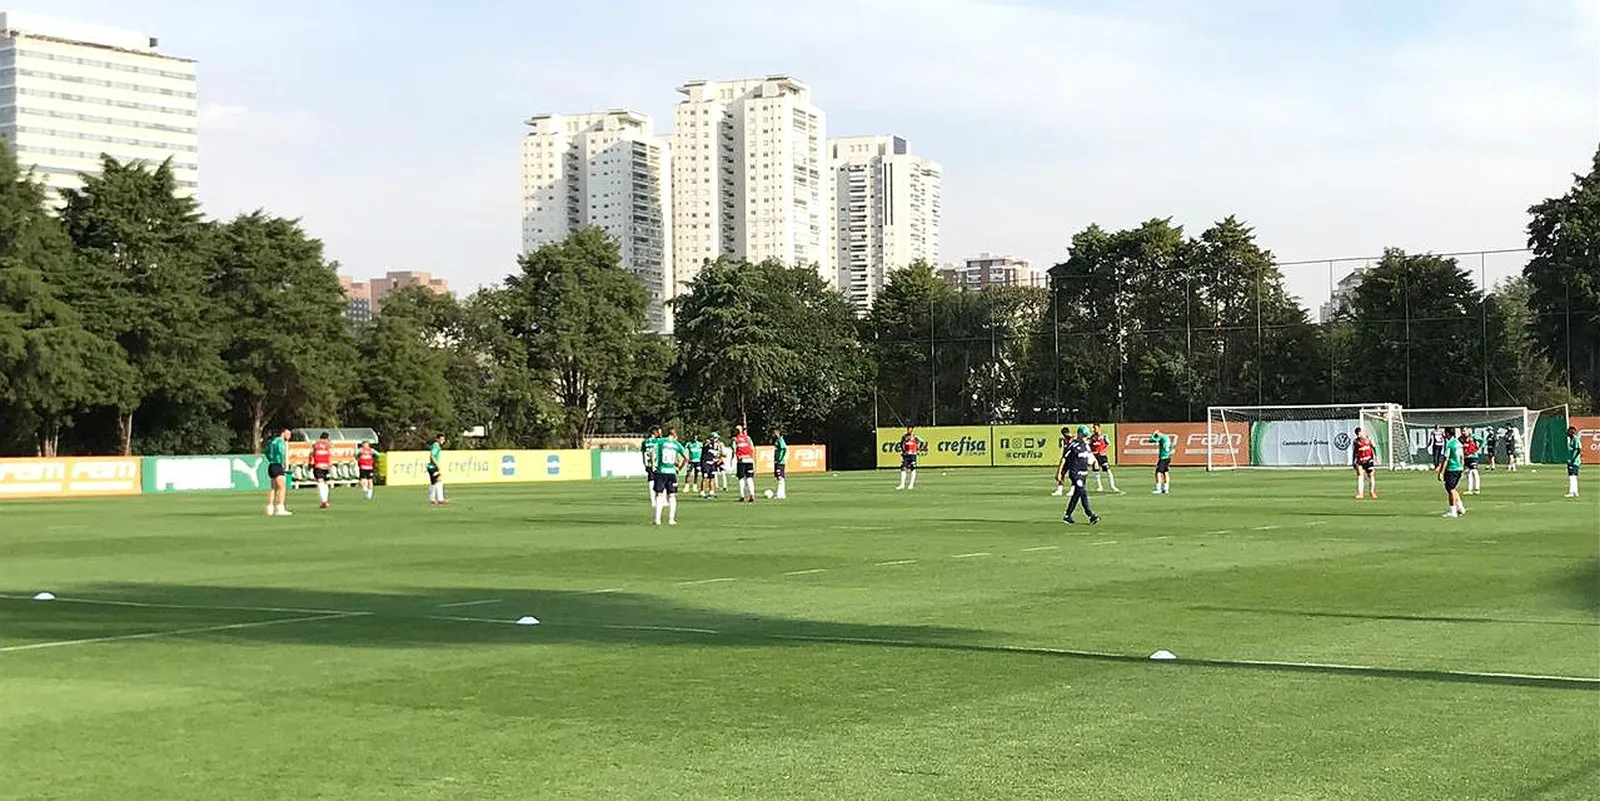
[[179, 632], [198, 607]]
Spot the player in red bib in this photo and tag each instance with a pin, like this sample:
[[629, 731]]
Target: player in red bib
[[1363, 459], [322, 465], [1469, 449], [367, 467], [744, 456], [1100, 446], [910, 446]]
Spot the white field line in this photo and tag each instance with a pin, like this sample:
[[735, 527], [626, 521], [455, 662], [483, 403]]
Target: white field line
[[202, 607], [1042, 548], [978, 555], [896, 563], [1315, 523], [180, 632], [1219, 531], [612, 626], [810, 572], [459, 604], [705, 581], [1266, 528], [606, 591], [1104, 542]]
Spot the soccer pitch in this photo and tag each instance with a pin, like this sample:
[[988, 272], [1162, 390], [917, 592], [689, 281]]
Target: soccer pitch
[[957, 641]]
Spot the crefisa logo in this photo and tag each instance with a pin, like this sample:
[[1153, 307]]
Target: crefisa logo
[[508, 465]]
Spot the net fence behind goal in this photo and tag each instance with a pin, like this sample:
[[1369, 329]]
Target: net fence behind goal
[[1292, 436], [1503, 433]]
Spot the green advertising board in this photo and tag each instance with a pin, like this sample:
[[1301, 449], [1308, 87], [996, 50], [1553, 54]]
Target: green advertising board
[[204, 473]]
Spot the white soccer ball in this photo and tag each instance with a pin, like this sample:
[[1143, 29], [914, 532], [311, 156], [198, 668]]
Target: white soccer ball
[[768, 494]]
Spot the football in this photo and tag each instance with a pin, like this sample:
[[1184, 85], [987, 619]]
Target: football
[[768, 494]]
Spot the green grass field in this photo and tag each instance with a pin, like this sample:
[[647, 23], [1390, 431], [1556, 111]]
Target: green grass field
[[957, 641]]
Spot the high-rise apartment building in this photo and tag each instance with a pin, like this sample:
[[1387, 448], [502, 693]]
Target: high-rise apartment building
[[70, 92], [887, 207], [609, 171], [365, 298], [751, 176]]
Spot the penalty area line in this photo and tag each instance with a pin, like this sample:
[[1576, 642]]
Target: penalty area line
[[199, 607], [180, 632], [459, 604]]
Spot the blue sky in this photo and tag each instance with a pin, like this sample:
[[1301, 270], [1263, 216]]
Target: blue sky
[[1335, 127]]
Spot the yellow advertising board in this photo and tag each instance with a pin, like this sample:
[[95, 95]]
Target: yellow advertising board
[[941, 446], [409, 468], [70, 477], [802, 459], [1038, 445]]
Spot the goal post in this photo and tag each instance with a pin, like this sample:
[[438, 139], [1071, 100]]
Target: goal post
[[1417, 432], [1308, 436]]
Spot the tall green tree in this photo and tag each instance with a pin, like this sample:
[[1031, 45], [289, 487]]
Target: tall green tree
[[1520, 372], [1564, 278], [141, 281], [1416, 332], [403, 392], [581, 320], [50, 365], [288, 345], [900, 333]]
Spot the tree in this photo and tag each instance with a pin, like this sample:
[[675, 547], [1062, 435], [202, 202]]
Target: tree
[[49, 365], [1520, 374], [141, 281], [1564, 278], [580, 318], [289, 347], [402, 393], [1415, 334], [900, 331]]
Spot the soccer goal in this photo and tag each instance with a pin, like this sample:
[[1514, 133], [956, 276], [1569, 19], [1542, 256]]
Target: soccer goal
[[1293, 436], [1417, 435]]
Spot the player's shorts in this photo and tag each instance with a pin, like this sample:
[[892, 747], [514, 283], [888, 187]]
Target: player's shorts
[[779, 471], [1163, 466], [708, 468], [320, 473], [1451, 479], [1572, 470], [908, 461], [650, 475], [1472, 462], [666, 483], [1365, 467], [1077, 480], [275, 471], [1102, 462], [366, 474], [433, 474], [746, 470]]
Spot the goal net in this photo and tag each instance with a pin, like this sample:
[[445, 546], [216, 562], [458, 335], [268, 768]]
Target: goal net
[[1292, 436], [1504, 433]]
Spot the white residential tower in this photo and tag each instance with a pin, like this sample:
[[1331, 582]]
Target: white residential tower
[[70, 92], [609, 171], [887, 206], [751, 177]]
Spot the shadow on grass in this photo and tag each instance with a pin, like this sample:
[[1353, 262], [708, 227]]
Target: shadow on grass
[[1583, 586]]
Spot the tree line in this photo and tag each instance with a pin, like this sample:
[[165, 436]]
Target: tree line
[[131, 324]]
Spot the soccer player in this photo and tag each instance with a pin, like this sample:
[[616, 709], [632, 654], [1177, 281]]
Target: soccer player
[[647, 450], [1574, 459], [744, 455], [1061, 466], [708, 466], [909, 447], [436, 472], [1513, 445], [1364, 457], [724, 453], [1491, 445], [322, 465], [1076, 466], [1449, 471], [670, 456], [780, 460], [692, 471], [278, 475], [1100, 446], [1436, 446], [1165, 444], [1469, 451], [366, 467]]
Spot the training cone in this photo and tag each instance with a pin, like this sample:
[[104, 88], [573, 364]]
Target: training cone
[[527, 620], [1163, 656], [45, 596]]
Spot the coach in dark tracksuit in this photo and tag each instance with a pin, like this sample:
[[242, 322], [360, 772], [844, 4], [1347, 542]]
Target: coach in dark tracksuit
[[1075, 465]]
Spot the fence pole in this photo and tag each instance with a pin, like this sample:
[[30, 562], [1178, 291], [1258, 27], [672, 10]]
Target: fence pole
[[1483, 315]]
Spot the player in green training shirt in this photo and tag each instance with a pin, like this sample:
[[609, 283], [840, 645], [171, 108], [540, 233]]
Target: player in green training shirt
[[278, 475], [1451, 464], [692, 471], [670, 456], [1165, 443], [780, 462], [647, 450], [1574, 459], [436, 472]]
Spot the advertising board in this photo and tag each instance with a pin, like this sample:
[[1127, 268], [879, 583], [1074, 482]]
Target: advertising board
[[409, 468], [71, 477], [1037, 445], [1302, 443], [941, 446], [202, 473], [1134, 446]]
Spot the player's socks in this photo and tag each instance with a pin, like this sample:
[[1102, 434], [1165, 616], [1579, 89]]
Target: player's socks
[[1361, 487], [783, 491], [672, 510], [322, 492], [913, 483], [271, 510], [1572, 486]]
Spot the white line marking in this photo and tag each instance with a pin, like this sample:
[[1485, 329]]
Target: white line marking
[[615, 627], [1317, 523], [704, 581], [1266, 528], [605, 591], [1104, 542], [676, 629], [1219, 531], [1162, 537], [143, 605], [1042, 548], [971, 555], [897, 562], [806, 572], [67, 528], [1488, 542], [484, 602], [179, 632]]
